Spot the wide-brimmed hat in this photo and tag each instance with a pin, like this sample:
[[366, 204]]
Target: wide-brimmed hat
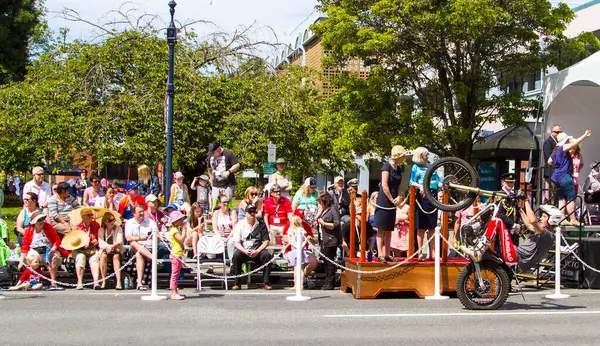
[[36, 218], [398, 151], [75, 240], [177, 175], [174, 217], [562, 139]]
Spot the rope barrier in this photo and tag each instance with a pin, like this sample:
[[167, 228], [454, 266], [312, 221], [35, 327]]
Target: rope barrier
[[572, 252], [373, 272], [404, 202]]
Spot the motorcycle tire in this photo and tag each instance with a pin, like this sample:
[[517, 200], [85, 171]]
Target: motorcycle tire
[[473, 177], [474, 300]]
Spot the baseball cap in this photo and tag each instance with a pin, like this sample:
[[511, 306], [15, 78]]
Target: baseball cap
[[151, 198], [311, 182]]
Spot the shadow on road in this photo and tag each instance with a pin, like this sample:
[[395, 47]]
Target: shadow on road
[[539, 306]]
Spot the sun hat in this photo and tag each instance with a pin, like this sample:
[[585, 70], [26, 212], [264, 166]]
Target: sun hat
[[174, 217], [37, 218], [75, 240], [131, 185], [177, 175], [151, 198], [562, 139], [172, 206], [398, 151]]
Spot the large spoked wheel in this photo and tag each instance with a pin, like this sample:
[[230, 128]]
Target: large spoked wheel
[[494, 292], [455, 172]]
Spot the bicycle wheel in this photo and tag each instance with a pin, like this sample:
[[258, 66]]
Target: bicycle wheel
[[457, 172]]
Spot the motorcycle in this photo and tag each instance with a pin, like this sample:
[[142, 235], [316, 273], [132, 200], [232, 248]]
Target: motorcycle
[[484, 284]]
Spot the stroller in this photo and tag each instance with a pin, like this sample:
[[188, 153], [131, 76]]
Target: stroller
[[591, 195]]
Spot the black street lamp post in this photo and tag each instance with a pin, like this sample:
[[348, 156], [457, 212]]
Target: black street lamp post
[[171, 40]]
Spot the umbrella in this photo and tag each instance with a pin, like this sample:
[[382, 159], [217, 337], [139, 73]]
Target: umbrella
[[75, 215]]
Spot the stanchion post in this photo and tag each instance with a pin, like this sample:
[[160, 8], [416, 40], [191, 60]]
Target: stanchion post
[[557, 294], [363, 227], [153, 294], [352, 253], [298, 297], [444, 253], [437, 286], [411, 221]]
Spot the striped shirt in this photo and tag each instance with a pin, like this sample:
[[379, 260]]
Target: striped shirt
[[57, 208]]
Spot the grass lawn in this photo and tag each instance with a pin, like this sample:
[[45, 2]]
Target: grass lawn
[[10, 211]]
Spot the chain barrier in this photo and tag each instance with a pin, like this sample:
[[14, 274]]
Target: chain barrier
[[404, 202], [273, 259], [451, 247], [572, 252], [372, 272], [66, 284]]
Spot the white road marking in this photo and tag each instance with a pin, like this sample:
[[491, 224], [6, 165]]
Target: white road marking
[[469, 314]]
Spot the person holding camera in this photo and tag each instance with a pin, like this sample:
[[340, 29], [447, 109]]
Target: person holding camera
[[222, 165]]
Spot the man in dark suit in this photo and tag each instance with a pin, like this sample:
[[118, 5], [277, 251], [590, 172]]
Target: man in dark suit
[[508, 211]]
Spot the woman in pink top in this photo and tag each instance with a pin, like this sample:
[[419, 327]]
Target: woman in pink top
[[577, 166], [224, 218], [93, 192]]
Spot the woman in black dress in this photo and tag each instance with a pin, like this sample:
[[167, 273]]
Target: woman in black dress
[[387, 201]]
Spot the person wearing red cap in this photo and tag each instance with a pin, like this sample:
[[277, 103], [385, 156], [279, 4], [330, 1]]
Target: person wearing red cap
[[310, 262]]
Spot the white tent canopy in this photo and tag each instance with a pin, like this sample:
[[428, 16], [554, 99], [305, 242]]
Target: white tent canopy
[[572, 100]]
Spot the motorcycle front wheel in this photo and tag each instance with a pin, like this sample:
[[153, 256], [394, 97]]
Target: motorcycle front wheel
[[491, 295]]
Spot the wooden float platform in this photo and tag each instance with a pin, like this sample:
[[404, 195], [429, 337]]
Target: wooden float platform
[[414, 276]]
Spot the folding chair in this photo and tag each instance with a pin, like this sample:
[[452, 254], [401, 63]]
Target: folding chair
[[211, 245]]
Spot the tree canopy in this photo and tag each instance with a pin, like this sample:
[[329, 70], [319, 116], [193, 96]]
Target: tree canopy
[[439, 69]]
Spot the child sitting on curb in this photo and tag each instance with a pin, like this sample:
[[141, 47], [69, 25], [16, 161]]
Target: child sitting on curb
[[31, 279]]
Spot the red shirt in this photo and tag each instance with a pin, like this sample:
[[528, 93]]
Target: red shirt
[[126, 201], [277, 210], [307, 229], [50, 234], [28, 274], [92, 231]]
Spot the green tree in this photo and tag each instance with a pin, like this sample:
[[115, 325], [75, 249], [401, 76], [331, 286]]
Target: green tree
[[21, 25], [435, 66]]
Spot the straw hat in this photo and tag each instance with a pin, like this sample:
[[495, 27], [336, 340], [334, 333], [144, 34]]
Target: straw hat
[[75, 240], [398, 151]]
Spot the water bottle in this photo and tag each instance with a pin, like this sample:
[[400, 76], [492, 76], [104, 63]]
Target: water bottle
[[370, 256], [338, 253], [126, 282], [47, 255]]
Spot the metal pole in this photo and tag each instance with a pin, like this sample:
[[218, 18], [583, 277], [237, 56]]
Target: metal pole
[[436, 286], [171, 41], [557, 294], [298, 272], [153, 294]]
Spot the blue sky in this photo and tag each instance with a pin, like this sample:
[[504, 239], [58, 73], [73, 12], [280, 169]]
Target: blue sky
[[282, 16]]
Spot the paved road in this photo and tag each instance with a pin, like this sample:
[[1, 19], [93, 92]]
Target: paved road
[[256, 317]]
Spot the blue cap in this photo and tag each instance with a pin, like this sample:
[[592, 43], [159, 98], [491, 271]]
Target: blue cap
[[131, 185], [172, 205]]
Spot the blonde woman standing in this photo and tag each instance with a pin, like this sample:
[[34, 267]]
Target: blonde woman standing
[[147, 183], [388, 199]]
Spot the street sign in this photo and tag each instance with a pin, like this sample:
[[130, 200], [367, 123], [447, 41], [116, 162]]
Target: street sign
[[271, 153], [269, 168]]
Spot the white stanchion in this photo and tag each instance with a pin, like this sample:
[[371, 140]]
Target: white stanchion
[[298, 297], [437, 284], [153, 294], [557, 294]]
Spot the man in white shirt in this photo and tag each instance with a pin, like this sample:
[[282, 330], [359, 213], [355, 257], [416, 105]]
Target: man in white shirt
[[138, 232], [250, 239], [38, 186]]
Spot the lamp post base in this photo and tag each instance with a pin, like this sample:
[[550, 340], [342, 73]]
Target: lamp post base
[[298, 298]]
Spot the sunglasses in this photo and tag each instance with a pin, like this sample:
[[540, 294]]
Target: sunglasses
[[557, 131], [27, 199], [39, 174], [254, 194], [88, 215], [95, 181], [275, 191], [111, 220], [224, 202], [40, 221], [251, 212]]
